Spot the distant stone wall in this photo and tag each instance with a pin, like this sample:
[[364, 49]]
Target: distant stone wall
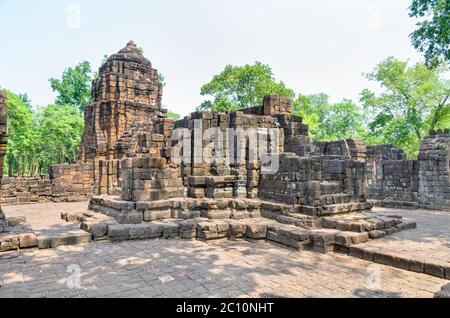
[[74, 182], [396, 182], [26, 190]]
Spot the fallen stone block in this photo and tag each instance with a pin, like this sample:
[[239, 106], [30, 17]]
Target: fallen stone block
[[28, 240], [97, 229], [9, 242], [72, 216], [256, 231]]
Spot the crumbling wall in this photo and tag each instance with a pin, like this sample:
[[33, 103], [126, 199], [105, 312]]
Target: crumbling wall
[[296, 182], [26, 190], [342, 149], [72, 182], [396, 182], [434, 174]]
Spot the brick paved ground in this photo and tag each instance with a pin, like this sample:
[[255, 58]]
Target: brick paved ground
[[178, 268], [44, 215], [430, 241]]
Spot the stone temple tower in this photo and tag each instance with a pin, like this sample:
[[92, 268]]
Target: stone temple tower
[[3, 142], [127, 92]]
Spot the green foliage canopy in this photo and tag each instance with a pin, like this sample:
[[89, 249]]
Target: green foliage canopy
[[415, 100], [432, 36], [74, 88], [20, 154], [328, 122], [38, 139], [238, 87], [60, 128]]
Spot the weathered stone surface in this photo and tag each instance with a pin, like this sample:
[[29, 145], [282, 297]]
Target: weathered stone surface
[[153, 215], [256, 230], [376, 234], [291, 236], [97, 229], [50, 241], [9, 242], [238, 228], [350, 238], [170, 230], [117, 232], [444, 292], [188, 229], [28, 240], [212, 230]]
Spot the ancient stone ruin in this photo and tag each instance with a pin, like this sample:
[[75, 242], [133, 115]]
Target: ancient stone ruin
[[251, 174]]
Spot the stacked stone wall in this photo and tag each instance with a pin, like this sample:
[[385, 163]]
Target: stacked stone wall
[[434, 174], [26, 190], [74, 182]]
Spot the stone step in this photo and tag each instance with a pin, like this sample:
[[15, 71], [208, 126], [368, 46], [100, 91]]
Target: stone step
[[52, 240], [377, 226], [344, 208], [300, 220], [289, 235]]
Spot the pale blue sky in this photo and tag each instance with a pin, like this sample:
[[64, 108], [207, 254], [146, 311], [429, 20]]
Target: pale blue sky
[[313, 45]]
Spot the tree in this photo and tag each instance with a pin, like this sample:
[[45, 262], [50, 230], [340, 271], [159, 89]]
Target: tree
[[60, 128], [74, 88], [328, 122], [238, 87], [433, 34], [415, 101], [20, 159]]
